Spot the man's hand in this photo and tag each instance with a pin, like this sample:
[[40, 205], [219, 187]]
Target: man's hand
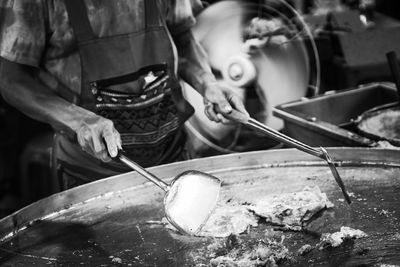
[[194, 68], [98, 137], [263, 32], [95, 134], [220, 100]]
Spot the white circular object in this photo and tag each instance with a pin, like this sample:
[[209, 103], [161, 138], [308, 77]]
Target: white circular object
[[239, 71]]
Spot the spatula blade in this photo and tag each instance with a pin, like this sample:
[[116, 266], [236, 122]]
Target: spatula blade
[[191, 199]]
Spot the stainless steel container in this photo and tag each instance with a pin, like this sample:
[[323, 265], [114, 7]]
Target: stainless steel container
[[328, 120]]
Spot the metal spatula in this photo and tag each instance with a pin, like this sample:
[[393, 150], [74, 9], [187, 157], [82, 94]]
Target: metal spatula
[[264, 129], [189, 199]]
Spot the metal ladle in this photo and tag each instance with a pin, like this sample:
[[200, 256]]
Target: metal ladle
[[189, 199], [264, 129]]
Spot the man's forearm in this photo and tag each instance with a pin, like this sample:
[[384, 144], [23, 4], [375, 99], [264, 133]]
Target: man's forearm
[[21, 90], [193, 63]]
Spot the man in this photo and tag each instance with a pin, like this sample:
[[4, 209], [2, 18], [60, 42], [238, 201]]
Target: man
[[103, 74]]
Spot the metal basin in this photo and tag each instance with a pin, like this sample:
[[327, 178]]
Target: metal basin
[[105, 222], [381, 123]]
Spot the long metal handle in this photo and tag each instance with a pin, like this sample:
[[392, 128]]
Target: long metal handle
[[260, 127], [133, 165], [323, 154], [284, 138]]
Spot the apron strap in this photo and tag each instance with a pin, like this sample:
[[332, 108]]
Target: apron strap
[[77, 13], [151, 13]]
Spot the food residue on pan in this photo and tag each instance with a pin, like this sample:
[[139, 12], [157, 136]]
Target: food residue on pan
[[288, 210], [305, 249], [229, 218], [292, 210], [337, 238], [385, 145], [232, 251], [117, 260], [384, 123]]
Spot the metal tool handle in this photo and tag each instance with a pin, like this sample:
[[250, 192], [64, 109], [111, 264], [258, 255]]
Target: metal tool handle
[[133, 165], [260, 127], [323, 154], [284, 138]]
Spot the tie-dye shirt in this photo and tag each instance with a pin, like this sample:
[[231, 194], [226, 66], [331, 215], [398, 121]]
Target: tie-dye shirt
[[38, 33]]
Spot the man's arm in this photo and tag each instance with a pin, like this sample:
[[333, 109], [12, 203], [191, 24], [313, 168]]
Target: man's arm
[[195, 70], [21, 89]]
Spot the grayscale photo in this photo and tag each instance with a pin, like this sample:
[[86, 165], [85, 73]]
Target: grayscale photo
[[221, 133]]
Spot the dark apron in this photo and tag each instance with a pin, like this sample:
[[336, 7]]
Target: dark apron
[[129, 79]]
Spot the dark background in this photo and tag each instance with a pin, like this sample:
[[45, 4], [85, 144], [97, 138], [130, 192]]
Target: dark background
[[25, 144]]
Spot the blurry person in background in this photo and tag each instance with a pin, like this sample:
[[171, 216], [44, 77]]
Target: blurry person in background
[[323, 7], [104, 74]]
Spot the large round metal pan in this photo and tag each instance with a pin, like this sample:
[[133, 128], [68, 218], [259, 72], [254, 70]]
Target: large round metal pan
[[381, 123], [105, 223]]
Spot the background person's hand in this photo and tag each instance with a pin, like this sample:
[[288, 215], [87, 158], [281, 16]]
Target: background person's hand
[[219, 99], [98, 137], [265, 32]]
